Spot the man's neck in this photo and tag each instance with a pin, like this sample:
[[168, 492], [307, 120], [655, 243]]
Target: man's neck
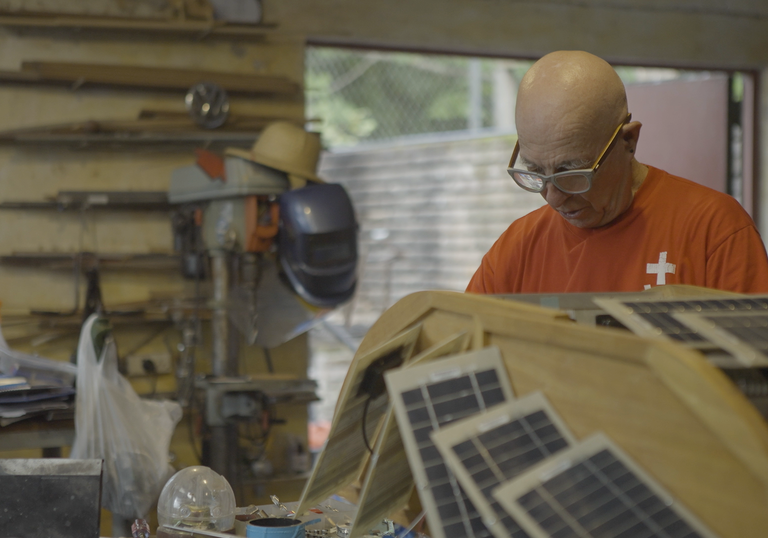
[[639, 173]]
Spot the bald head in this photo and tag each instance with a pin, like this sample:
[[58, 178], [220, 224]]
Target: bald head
[[569, 105], [571, 90]]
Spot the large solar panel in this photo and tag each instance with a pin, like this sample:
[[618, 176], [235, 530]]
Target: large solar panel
[[388, 481], [742, 334], [657, 319], [345, 451], [431, 396], [489, 449], [594, 490]]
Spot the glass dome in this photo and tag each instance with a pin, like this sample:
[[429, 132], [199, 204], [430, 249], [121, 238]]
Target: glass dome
[[199, 498]]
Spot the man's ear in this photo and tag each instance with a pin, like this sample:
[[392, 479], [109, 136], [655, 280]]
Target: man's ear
[[630, 135]]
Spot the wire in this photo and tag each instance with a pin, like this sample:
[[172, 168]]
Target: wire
[[365, 414], [151, 370], [268, 357], [413, 524], [191, 429]]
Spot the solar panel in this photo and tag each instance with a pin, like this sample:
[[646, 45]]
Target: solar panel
[[742, 334], [430, 396], [657, 319], [345, 451], [388, 481], [491, 448], [595, 490]]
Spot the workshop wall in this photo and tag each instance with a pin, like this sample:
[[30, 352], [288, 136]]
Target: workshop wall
[[83, 156], [706, 33], [36, 171], [684, 33]]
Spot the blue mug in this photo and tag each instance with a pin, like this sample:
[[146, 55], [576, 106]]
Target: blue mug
[[277, 527]]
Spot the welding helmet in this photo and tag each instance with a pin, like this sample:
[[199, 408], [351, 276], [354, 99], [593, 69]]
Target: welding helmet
[[318, 243]]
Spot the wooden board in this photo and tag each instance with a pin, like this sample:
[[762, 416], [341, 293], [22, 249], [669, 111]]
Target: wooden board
[[675, 414], [388, 482], [357, 415], [159, 78]]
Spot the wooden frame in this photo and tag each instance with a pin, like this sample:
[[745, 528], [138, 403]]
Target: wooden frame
[[676, 415]]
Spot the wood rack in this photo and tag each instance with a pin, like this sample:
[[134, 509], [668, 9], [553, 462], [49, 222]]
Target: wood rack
[[190, 29], [78, 75]]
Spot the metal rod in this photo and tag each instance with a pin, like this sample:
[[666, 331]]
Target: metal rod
[[219, 321]]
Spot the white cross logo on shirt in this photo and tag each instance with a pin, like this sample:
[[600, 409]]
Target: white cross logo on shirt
[[660, 270]]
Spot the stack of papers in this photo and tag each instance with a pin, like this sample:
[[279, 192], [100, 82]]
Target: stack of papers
[[32, 386], [20, 400]]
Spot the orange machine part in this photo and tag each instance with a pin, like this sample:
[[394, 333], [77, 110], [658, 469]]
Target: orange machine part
[[260, 232], [212, 164]]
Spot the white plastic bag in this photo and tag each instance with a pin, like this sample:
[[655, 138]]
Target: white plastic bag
[[130, 434]]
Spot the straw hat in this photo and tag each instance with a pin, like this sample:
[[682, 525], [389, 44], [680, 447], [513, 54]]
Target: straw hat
[[285, 147]]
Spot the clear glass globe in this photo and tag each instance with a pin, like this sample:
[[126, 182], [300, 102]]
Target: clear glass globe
[[197, 497]]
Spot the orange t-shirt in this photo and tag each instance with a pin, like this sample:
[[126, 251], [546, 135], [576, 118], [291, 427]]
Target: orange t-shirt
[[675, 232]]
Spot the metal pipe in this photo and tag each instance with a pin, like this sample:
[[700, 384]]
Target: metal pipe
[[219, 321]]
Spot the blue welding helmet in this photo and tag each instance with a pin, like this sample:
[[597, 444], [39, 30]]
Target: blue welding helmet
[[318, 243]]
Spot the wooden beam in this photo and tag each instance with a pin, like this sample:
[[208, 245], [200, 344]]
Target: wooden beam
[[149, 78], [674, 413]]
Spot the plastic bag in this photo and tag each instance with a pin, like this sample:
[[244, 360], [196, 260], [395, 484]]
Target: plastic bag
[[130, 434]]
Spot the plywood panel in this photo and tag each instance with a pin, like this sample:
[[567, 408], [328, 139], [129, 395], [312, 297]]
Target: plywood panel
[[680, 418]]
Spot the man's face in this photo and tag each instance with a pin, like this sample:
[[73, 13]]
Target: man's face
[[611, 192]]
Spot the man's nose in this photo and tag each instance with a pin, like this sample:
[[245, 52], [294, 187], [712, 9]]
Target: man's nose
[[553, 195]]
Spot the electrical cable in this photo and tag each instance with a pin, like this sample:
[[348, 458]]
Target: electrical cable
[[365, 414], [191, 430], [268, 357], [413, 524], [151, 370]]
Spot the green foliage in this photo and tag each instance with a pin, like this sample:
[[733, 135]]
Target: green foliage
[[343, 123], [369, 95]]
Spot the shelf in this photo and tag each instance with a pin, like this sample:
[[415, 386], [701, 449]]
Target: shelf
[[80, 75], [151, 127], [116, 140], [111, 200], [190, 29], [90, 260]]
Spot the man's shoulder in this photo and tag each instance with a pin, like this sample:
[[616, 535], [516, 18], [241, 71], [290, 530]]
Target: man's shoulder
[[668, 181], [682, 202], [682, 191]]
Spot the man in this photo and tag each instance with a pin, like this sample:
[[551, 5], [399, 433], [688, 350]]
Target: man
[[616, 224]]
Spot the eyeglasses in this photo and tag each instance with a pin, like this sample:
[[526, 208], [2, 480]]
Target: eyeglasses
[[570, 181]]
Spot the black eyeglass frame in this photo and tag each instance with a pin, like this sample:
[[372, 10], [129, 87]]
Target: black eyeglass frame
[[587, 173]]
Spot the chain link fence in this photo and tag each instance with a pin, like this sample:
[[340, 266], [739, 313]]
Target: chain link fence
[[362, 96], [357, 96]]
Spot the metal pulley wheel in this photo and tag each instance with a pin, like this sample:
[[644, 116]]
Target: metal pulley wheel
[[207, 104]]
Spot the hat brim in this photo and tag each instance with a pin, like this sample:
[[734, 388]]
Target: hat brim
[[265, 160]]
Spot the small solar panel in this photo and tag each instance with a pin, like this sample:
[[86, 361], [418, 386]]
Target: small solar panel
[[491, 448], [345, 451], [742, 334], [594, 490], [431, 396], [388, 481], [657, 319]]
